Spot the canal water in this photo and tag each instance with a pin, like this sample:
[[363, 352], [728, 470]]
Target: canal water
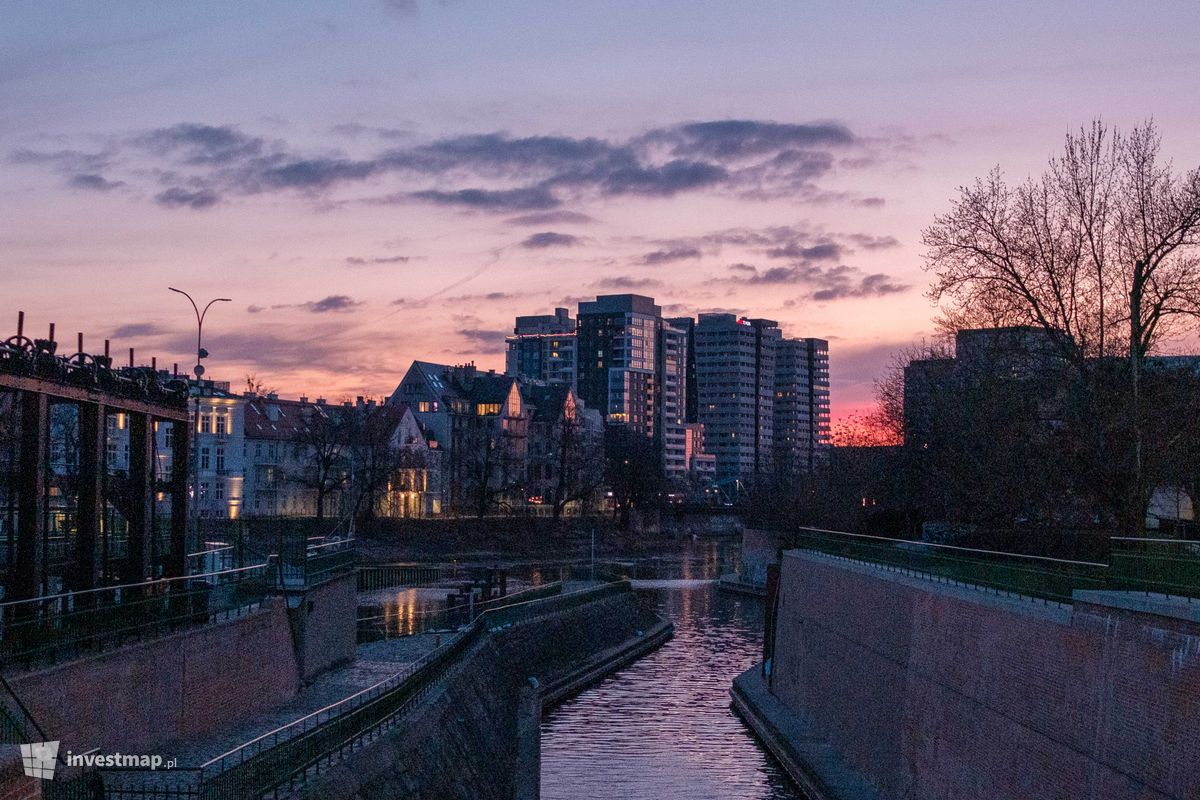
[[662, 728]]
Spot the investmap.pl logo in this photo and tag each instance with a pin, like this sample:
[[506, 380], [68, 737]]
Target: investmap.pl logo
[[40, 759]]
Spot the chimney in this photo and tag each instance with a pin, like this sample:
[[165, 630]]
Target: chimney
[[303, 398], [358, 401], [320, 401]]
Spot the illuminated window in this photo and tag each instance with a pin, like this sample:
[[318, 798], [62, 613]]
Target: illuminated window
[[424, 406], [487, 409]]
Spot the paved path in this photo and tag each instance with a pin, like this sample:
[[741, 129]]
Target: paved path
[[374, 662]]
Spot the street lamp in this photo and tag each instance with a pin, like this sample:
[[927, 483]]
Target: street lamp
[[198, 370], [200, 351]]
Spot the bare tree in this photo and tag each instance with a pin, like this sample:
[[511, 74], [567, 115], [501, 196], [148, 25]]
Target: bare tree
[[580, 469], [1102, 246], [322, 454], [256, 386]]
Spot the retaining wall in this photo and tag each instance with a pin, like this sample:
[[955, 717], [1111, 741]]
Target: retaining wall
[[138, 697], [932, 691], [471, 741], [324, 625]]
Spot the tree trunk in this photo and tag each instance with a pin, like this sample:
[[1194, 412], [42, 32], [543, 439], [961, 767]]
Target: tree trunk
[[1136, 512]]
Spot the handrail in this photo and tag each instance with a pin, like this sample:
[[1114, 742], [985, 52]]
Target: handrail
[[959, 548], [1152, 541], [155, 582], [211, 550], [476, 627], [336, 543], [430, 612]]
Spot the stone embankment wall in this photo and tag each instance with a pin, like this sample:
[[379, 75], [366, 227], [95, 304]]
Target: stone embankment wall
[[932, 691], [476, 739], [138, 697]]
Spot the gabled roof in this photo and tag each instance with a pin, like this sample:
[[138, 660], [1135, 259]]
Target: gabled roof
[[281, 420], [464, 382], [547, 399]]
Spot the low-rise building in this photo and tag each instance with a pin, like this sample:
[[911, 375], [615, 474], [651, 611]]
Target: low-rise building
[[479, 420]]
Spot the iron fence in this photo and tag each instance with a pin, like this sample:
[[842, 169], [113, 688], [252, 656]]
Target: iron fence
[[47, 629], [392, 625], [1135, 564], [287, 757], [1156, 566], [1031, 576], [325, 560], [372, 577]]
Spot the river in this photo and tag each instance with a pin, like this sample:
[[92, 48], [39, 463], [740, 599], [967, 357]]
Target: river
[[662, 728]]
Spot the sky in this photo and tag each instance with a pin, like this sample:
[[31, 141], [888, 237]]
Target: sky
[[377, 181]]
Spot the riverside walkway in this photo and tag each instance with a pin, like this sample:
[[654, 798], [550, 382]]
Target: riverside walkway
[[375, 664]]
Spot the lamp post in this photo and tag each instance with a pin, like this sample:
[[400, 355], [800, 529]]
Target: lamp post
[[198, 370]]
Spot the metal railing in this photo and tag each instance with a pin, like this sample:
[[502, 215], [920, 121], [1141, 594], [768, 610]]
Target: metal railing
[[306, 562], [1135, 564], [44, 630], [1155, 566], [393, 625], [327, 559], [1026, 575], [372, 577], [291, 754]]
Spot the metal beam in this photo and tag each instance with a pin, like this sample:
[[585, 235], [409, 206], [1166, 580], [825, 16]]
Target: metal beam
[[25, 579], [25, 383], [141, 491], [181, 440], [92, 469]]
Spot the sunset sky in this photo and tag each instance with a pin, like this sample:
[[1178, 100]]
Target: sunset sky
[[374, 182]]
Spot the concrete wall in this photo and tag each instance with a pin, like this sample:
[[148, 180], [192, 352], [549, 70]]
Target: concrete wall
[[465, 742], [138, 697], [759, 550], [933, 691], [324, 625]]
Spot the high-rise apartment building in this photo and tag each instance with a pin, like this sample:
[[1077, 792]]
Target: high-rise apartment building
[[632, 366], [673, 369], [542, 348], [735, 386], [801, 435], [617, 373], [688, 326]]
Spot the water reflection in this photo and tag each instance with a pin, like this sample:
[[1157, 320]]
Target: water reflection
[[662, 727]]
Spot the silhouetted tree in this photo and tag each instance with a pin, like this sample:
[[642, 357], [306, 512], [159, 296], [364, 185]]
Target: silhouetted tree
[[1102, 246]]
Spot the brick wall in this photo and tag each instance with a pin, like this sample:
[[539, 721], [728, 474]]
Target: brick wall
[[934, 691], [139, 697]]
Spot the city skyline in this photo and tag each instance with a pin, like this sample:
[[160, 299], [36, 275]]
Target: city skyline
[[396, 181]]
